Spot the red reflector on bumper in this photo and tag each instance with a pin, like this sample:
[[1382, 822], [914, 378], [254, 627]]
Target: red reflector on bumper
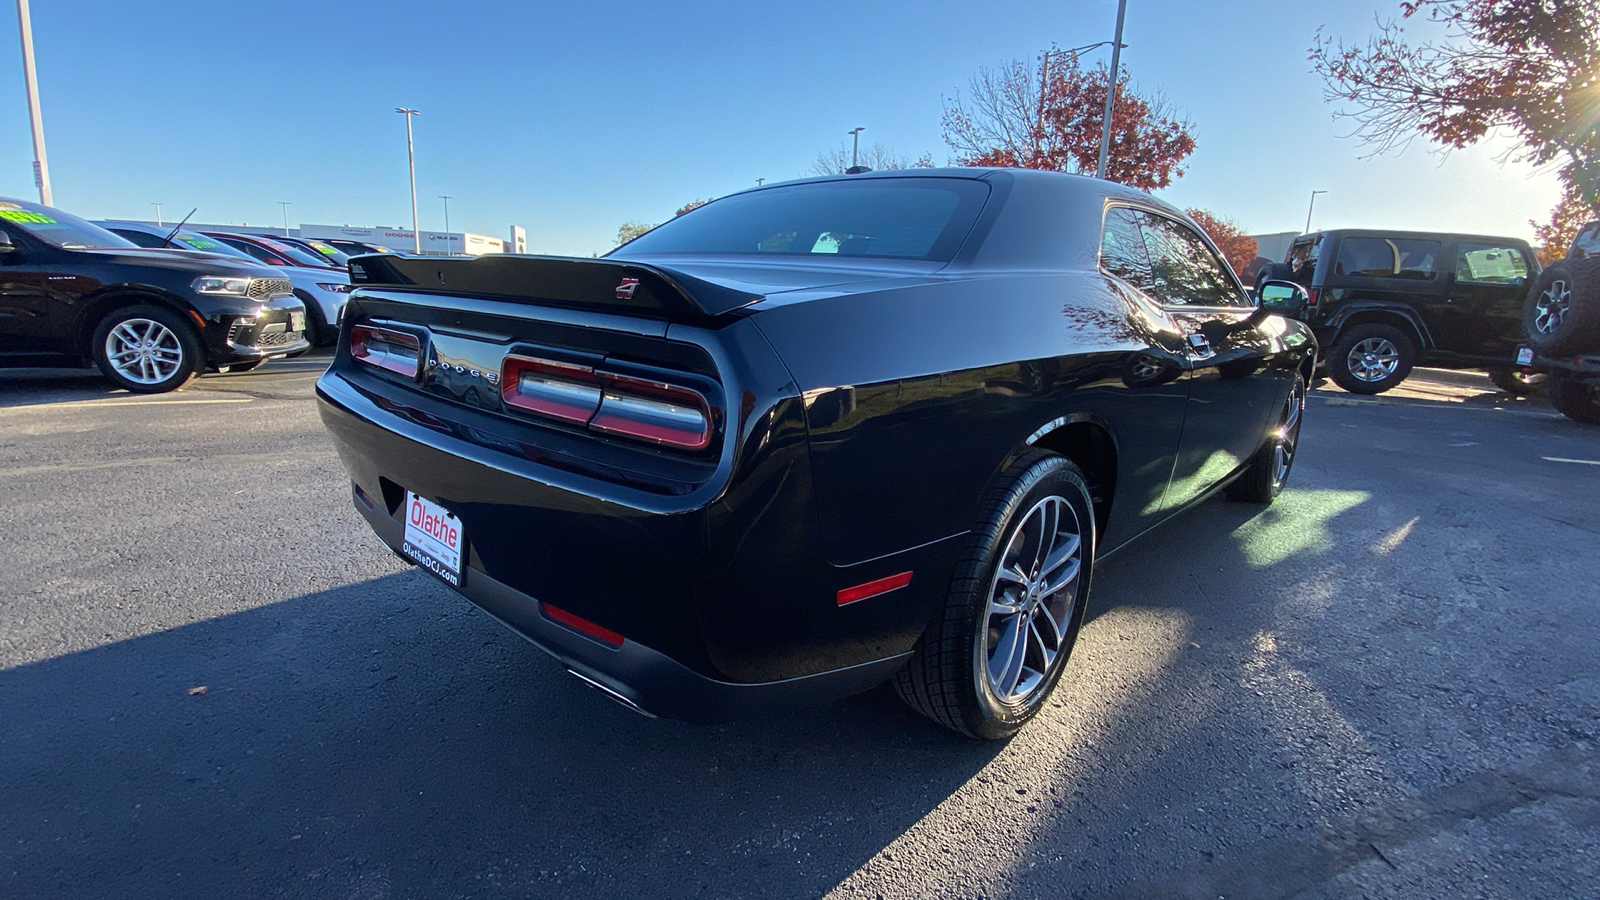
[[581, 625], [873, 588]]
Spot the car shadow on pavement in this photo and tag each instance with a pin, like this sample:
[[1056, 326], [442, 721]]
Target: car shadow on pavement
[[384, 736]]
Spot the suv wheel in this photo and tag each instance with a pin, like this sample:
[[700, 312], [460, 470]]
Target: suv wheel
[[1371, 358], [1574, 399], [147, 349], [1562, 312], [996, 649]]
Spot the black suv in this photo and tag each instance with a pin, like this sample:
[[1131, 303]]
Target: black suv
[[1384, 301], [72, 292]]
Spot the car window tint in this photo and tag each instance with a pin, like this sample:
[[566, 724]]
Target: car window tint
[[139, 237], [903, 218], [1388, 258], [1122, 251], [1186, 272], [1490, 263]]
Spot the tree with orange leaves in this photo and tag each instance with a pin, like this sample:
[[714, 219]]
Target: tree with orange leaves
[[1237, 247], [1048, 116], [1528, 68]]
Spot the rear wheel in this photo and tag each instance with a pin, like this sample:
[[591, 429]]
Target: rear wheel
[[1371, 358], [1263, 481], [996, 649], [147, 349], [1574, 399]]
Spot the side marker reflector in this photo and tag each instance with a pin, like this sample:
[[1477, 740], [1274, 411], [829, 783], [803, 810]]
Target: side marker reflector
[[581, 625], [873, 588]]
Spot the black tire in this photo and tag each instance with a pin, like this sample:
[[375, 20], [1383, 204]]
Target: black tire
[[1378, 337], [1562, 312], [170, 358], [237, 368], [949, 677], [1574, 399], [318, 332], [1269, 469], [1516, 382], [1274, 272]]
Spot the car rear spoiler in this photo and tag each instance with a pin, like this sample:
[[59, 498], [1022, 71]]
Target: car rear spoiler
[[622, 287]]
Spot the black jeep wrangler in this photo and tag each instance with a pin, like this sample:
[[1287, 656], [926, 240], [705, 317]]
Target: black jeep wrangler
[[1384, 301], [1562, 317]]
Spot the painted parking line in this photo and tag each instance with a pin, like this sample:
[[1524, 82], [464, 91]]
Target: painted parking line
[[1580, 462], [110, 404]]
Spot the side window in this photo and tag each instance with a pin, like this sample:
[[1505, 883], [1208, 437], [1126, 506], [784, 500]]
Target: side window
[[260, 253], [140, 237], [1388, 258], [1490, 264], [1186, 272], [1122, 251], [1587, 243]]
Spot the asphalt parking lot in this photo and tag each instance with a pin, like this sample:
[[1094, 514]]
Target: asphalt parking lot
[[214, 682]]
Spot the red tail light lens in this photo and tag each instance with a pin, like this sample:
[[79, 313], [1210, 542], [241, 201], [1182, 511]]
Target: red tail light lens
[[385, 348], [1312, 293], [654, 411]]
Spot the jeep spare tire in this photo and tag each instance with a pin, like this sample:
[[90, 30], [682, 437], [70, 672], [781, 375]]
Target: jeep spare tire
[[1562, 312]]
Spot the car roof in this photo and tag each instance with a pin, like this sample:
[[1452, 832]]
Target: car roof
[[1410, 235]]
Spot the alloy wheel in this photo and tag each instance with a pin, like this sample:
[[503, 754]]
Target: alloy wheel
[[1031, 602], [1288, 435], [1373, 359], [144, 351], [1551, 307]]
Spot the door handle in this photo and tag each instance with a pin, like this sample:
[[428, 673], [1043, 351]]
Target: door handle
[[1200, 344]]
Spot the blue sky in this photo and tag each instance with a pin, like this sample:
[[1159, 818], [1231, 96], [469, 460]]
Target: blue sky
[[573, 118]]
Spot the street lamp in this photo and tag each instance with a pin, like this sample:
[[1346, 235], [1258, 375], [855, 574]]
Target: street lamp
[[41, 167], [855, 146], [446, 200], [411, 160], [285, 205], [1111, 92], [158, 213], [1310, 208]]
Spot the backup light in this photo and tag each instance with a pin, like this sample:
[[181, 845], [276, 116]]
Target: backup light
[[395, 351], [654, 411]]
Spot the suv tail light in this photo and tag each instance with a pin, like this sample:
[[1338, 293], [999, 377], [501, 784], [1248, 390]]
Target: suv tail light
[[1312, 294], [654, 411], [395, 351]]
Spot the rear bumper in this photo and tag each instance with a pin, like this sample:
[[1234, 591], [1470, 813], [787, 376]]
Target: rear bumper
[[636, 675], [724, 602]]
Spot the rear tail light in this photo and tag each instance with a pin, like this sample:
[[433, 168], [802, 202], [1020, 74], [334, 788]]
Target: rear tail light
[[1312, 294], [654, 411], [395, 351]]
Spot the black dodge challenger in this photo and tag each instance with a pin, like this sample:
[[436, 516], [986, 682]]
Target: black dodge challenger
[[817, 435]]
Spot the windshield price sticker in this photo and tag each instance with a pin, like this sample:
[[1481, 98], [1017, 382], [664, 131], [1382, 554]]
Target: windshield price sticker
[[433, 539], [22, 215]]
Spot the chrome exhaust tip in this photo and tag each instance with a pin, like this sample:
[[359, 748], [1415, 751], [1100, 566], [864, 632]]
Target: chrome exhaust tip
[[611, 692]]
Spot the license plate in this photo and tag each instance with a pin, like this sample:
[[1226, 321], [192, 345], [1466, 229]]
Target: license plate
[[433, 539], [297, 321], [1524, 356]]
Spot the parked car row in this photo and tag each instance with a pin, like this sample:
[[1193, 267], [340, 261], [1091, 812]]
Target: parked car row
[[73, 293]]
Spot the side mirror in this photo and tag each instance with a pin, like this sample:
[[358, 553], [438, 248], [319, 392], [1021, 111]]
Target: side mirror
[[1284, 298], [5, 244]]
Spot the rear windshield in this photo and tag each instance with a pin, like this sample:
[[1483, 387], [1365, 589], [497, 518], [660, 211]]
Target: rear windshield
[[897, 218]]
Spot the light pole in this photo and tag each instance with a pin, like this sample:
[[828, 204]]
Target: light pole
[[411, 160], [41, 166], [1310, 208], [855, 145], [446, 200], [158, 213], [1111, 91], [285, 205]]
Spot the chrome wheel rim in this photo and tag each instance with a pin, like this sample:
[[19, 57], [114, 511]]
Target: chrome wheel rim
[[1551, 307], [144, 351], [1288, 435], [1031, 602], [1373, 359]]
